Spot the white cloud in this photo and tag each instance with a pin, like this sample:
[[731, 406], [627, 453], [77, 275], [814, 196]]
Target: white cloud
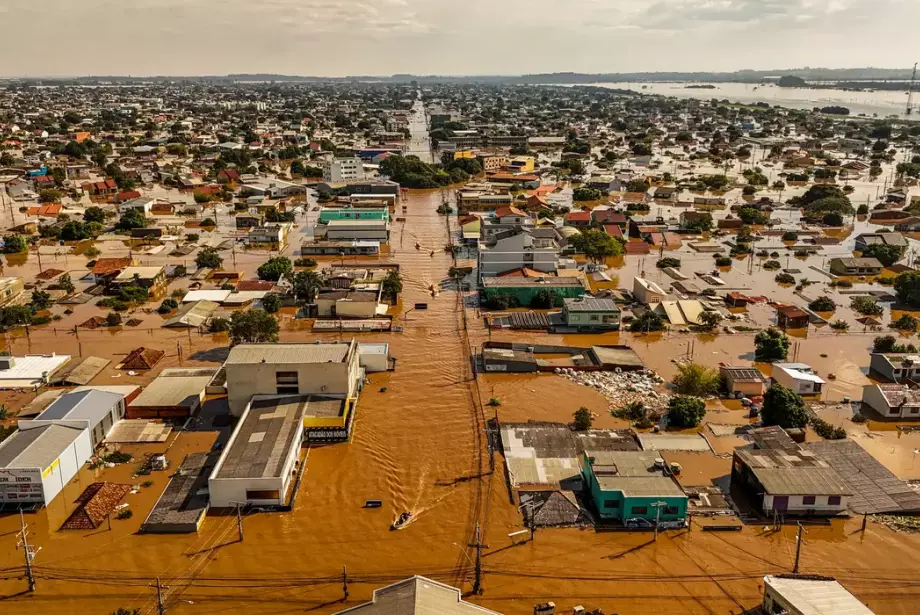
[[360, 37]]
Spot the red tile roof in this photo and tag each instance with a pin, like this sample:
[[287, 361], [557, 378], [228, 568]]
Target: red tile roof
[[52, 210], [578, 216], [127, 195], [255, 285], [614, 231], [637, 247], [104, 266], [501, 212]]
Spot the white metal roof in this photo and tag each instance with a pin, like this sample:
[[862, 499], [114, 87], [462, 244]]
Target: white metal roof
[[817, 597], [218, 296], [31, 367]]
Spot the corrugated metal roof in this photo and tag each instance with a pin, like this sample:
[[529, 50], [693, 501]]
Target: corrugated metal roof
[[91, 405], [249, 354], [175, 388], [37, 447], [816, 597], [192, 314]]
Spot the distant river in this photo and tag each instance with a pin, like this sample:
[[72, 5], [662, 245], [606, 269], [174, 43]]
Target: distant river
[[879, 103]]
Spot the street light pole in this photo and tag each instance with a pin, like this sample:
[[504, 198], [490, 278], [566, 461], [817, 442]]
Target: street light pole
[[658, 506]]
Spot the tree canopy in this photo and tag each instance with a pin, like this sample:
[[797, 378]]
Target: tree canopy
[[685, 411], [596, 244], [886, 254], [208, 258], [253, 327], [274, 268], [783, 407], [695, 379], [907, 287], [771, 345]]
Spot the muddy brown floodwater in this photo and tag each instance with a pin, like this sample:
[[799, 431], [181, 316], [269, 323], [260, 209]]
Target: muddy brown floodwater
[[419, 445]]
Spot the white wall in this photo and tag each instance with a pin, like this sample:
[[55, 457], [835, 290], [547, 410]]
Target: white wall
[[796, 504], [69, 463]]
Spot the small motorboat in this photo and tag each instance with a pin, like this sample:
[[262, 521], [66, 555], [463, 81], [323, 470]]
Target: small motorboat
[[418, 245], [373, 503], [401, 522]]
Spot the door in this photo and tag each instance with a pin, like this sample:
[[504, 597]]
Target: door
[[781, 503]]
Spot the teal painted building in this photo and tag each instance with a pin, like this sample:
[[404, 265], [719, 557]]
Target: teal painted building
[[328, 214], [631, 486], [526, 289]]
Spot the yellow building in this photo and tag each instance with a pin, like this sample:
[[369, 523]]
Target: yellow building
[[522, 164], [466, 154], [492, 163]]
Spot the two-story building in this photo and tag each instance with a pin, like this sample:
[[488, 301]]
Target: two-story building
[[633, 488], [896, 367], [591, 314], [518, 248], [855, 266]]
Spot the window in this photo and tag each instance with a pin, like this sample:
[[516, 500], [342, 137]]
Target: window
[[263, 494], [287, 383], [611, 503], [669, 510], [639, 510], [808, 500], [594, 317], [833, 500]]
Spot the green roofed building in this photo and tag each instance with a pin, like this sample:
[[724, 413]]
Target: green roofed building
[[328, 214], [524, 289]]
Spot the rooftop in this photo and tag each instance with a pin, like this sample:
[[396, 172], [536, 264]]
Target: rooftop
[[899, 394], [742, 374], [37, 446], [175, 387], [262, 439], [590, 304], [632, 472], [816, 596], [250, 354], [90, 405], [145, 273], [418, 596], [520, 281], [793, 472]]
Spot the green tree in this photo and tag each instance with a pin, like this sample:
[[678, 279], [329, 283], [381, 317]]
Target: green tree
[[208, 258], [905, 323], [771, 345], [783, 407], [113, 319], [297, 168], [130, 220], [668, 262], [66, 284], [596, 245], [391, 286], [75, 231], [749, 215], [823, 304], [306, 283], [696, 379], [710, 320], [907, 288], [647, 322], [544, 300], [94, 214], [14, 244], [49, 195], [702, 223], [867, 306], [253, 327], [40, 301], [637, 185], [583, 193], [886, 254], [583, 419], [685, 411], [274, 268], [271, 303], [218, 325]]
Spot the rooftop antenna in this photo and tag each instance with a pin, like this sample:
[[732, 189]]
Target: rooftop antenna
[[910, 91]]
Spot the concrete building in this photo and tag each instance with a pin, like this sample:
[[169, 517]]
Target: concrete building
[[865, 240], [94, 410], [519, 248], [10, 288], [647, 292], [418, 596], [175, 393], [525, 289], [326, 369], [274, 234], [747, 381], [343, 170], [590, 314], [30, 370], [39, 459], [799, 377], [790, 481], [258, 463], [855, 266], [151, 278], [809, 595], [349, 229], [143, 204], [893, 401], [634, 488], [896, 367]]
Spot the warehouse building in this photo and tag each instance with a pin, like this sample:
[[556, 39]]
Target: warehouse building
[[418, 596], [38, 460], [322, 369], [259, 461], [175, 393], [809, 595], [90, 409]]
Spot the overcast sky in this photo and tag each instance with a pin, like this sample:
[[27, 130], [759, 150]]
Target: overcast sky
[[382, 37]]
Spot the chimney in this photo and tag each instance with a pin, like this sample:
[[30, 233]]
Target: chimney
[[547, 608]]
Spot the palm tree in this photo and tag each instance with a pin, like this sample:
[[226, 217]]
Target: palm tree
[[306, 283]]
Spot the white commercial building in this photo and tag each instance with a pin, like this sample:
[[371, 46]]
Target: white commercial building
[[260, 459], [39, 459], [324, 369], [809, 595], [91, 409], [30, 370], [343, 170]]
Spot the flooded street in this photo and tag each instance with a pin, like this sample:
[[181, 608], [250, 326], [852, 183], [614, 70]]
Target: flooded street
[[419, 446]]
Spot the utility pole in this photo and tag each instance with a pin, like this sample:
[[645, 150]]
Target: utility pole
[[344, 583], [27, 550], [798, 548], [477, 580], [161, 608], [658, 506], [239, 521]]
